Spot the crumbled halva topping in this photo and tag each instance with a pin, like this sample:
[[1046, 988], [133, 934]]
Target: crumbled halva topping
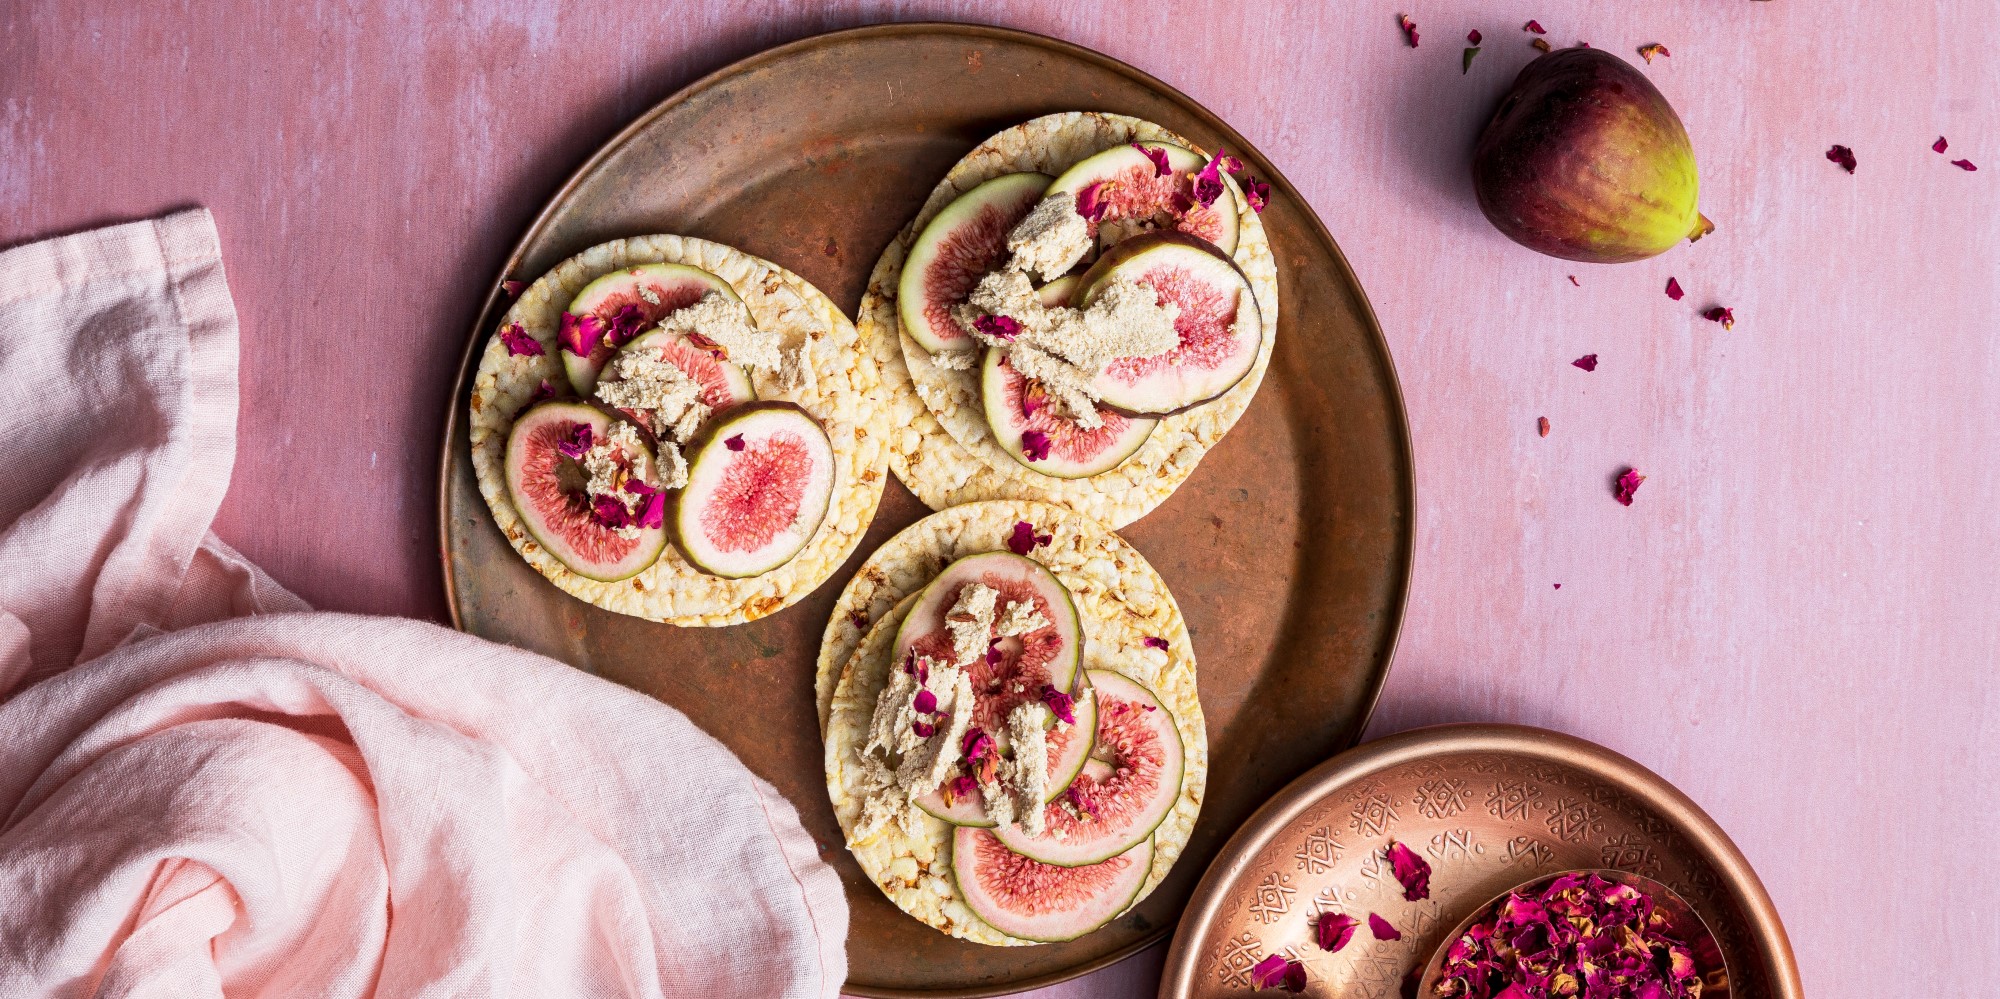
[[643, 381], [1025, 778], [1065, 349], [726, 323], [970, 622], [607, 461], [900, 763], [648, 295], [1020, 618], [1051, 239]]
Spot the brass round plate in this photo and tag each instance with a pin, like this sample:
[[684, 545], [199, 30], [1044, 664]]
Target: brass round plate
[[1288, 550], [1489, 806]]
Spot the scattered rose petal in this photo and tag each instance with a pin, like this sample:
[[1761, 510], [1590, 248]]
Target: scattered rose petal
[[1843, 156], [1581, 937], [1587, 362], [1034, 445], [1583, 45], [1573, 280], [993, 655], [1542, 426], [1964, 165], [1674, 289], [1257, 193], [513, 287], [1024, 539], [1628, 483], [542, 391], [610, 511], [1541, 44], [574, 444], [923, 728], [1333, 930], [1156, 642], [1651, 49], [1000, 327], [734, 443], [917, 666], [1091, 202], [1472, 36], [1534, 26], [1466, 65], [580, 335], [925, 703], [519, 343], [977, 745], [1412, 872], [653, 510], [625, 324], [1381, 928], [1063, 705], [1409, 28], [1159, 158], [1727, 317], [1208, 183], [1559, 586], [962, 786], [1940, 145], [1279, 972]]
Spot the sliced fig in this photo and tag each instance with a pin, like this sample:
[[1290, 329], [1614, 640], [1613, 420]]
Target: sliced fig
[[1220, 327], [1043, 902], [1138, 197], [1057, 293], [1105, 814], [1046, 657], [759, 479], [1016, 407], [724, 385], [965, 241], [653, 291], [547, 489], [1069, 755]]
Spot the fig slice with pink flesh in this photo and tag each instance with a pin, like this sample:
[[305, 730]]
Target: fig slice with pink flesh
[[1069, 755], [724, 385], [957, 248], [1220, 327], [1137, 197], [1015, 407], [667, 288], [547, 489], [1043, 902], [759, 480]]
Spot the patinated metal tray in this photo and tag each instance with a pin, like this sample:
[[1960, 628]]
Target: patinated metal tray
[[1289, 549], [1489, 806]]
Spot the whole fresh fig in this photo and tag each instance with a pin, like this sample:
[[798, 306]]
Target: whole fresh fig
[[1586, 160]]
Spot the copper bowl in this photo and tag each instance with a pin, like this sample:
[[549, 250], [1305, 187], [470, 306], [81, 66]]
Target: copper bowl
[[1490, 807]]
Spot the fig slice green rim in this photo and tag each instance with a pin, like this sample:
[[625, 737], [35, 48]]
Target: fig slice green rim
[[544, 487], [1215, 224], [742, 461], [676, 286], [1075, 759], [1073, 452], [955, 249], [1197, 370], [1045, 926]]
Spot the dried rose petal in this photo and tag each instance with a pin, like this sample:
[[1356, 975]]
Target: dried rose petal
[[1409, 28], [518, 342], [1719, 314], [977, 745], [1843, 156], [1156, 642], [574, 444], [542, 391], [1964, 165], [1465, 65], [1472, 36], [1024, 539], [1159, 158], [1208, 182], [1060, 703], [1034, 445], [653, 511], [1587, 362], [1000, 327], [1541, 43], [963, 786], [1412, 872], [1574, 281], [1674, 289], [1940, 145], [1534, 26], [1257, 193], [1279, 972], [1651, 49], [993, 654], [1091, 202], [925, 703], [626, 324], [1333, 930], [1559, 586], [1628, 483], [1542, 425], [734, 443], [580, 335], [923, 728], [1381, 928], [610, 511]]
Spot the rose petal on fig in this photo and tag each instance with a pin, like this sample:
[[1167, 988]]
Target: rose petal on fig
[[580, 334], [1156, 642], [1412, 871], [542, 391], [1034, 445], [513, 287], [653, 511], [1628, 483], [518, 342], [993, 655], [626, 323], [1964, 165], [1542, 425], [1381, 928], [1674, 289], [1587, 362], [1472, 36], [1257, 193], [1465, 66], [1651, 49], [1091, 202], [610, 511], [1409, 28], [1940, 145], [977, 745], [1842, 155], [1000, 327], [1534, 26], [925, 702], [575, 443], [1159, 158], [1719, 314], [963, 786], [734, 443], [1333, 930], [1061, 704], [1024, 539]]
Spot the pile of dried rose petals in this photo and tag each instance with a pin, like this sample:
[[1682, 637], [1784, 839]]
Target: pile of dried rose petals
[[1582, 936]]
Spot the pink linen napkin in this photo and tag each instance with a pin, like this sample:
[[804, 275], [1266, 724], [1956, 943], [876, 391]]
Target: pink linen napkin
[[208, 790]]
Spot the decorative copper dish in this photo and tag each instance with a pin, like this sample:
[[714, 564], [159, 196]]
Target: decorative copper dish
[[1288, 550], [1489, 807]]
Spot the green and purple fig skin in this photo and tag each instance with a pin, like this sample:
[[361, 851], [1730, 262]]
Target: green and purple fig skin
[[1586, 160]]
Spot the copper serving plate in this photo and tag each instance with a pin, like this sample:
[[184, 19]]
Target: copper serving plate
[[1289, 549], [1490, 807]]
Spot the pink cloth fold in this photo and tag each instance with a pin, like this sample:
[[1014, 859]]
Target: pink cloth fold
[[208, 790]]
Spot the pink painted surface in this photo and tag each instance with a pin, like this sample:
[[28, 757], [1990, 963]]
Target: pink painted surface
[[1797, 622]]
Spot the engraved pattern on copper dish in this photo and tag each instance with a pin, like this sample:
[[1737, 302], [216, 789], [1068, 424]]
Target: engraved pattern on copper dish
[[1489, 807]]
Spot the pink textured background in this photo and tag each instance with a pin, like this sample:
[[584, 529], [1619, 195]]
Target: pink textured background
[[1797, 623]]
